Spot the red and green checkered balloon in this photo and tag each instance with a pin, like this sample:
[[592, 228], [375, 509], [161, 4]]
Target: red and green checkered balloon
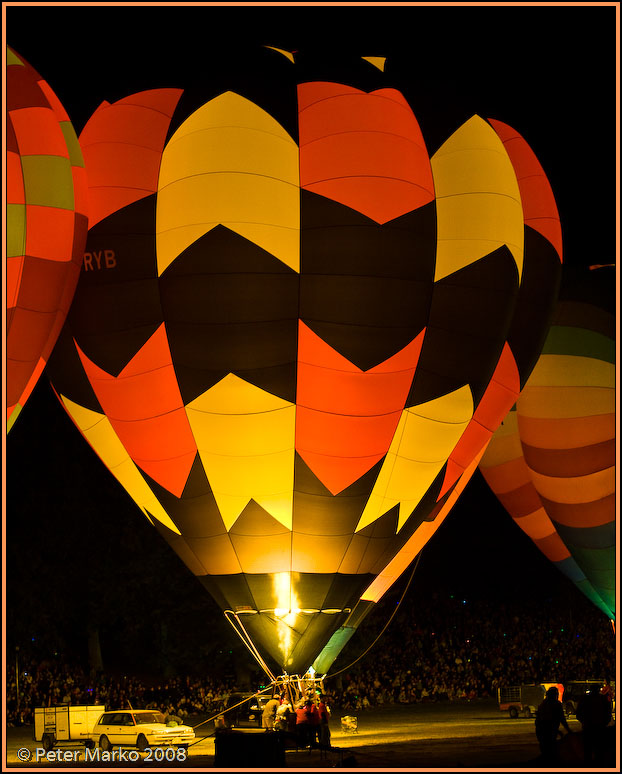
[[46, 225]]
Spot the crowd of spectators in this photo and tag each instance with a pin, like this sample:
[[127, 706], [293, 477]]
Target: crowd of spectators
[[46, 683], [463, 650], [454, 650]]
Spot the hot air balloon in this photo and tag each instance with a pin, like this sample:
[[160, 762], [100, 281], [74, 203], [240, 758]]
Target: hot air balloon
[[290, 337], [46, 225], [552, 462]]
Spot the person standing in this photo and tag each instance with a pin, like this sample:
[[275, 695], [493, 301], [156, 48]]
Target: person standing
[[324, 731], [269, 713], [314, 719], [549, 717], [284, 714], [306, 723], [594, 714]]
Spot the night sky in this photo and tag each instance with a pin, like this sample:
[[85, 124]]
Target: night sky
[[74, 537]]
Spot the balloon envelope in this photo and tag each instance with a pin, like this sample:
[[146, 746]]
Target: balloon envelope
[[46, 225], [552, 462], [289, 340]]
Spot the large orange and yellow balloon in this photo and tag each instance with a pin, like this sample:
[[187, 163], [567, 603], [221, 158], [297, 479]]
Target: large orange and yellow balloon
[[552, 462], [291, 337], [46, 225]]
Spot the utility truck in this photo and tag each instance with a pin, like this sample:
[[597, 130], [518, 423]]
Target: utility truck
[[66, 723], [524, 699]]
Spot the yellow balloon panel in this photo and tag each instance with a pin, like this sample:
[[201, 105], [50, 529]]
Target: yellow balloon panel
[[98, 431], [377, 61], [245, 149], [287, 54], [472, 220], [187, 211], [421, 445], [452, 408], [245, 437], [242, 435], [265, 479], [229, 163]]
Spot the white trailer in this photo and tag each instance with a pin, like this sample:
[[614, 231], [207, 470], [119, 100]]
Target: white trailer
[[66, 723]]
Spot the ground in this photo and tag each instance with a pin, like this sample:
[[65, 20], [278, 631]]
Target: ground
[[468, 736]]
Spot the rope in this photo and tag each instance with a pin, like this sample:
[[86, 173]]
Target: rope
[[234, 706], [412, 574], [243, 635]]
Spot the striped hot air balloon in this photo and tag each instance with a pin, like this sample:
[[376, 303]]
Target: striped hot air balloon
[[552, 462], [290, 337], [46, 225]]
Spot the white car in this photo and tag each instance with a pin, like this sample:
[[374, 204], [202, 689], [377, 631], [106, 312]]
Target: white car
[[139, 728]]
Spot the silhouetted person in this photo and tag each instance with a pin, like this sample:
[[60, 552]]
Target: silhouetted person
[[549, 717], [324, 731], [594, 714], [315, 723], [307, 720]]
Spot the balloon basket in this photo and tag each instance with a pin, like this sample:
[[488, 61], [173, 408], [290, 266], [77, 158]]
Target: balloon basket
[[299, 688]]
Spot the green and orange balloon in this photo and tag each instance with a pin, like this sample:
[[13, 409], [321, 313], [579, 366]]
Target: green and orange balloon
[[552, 463]]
